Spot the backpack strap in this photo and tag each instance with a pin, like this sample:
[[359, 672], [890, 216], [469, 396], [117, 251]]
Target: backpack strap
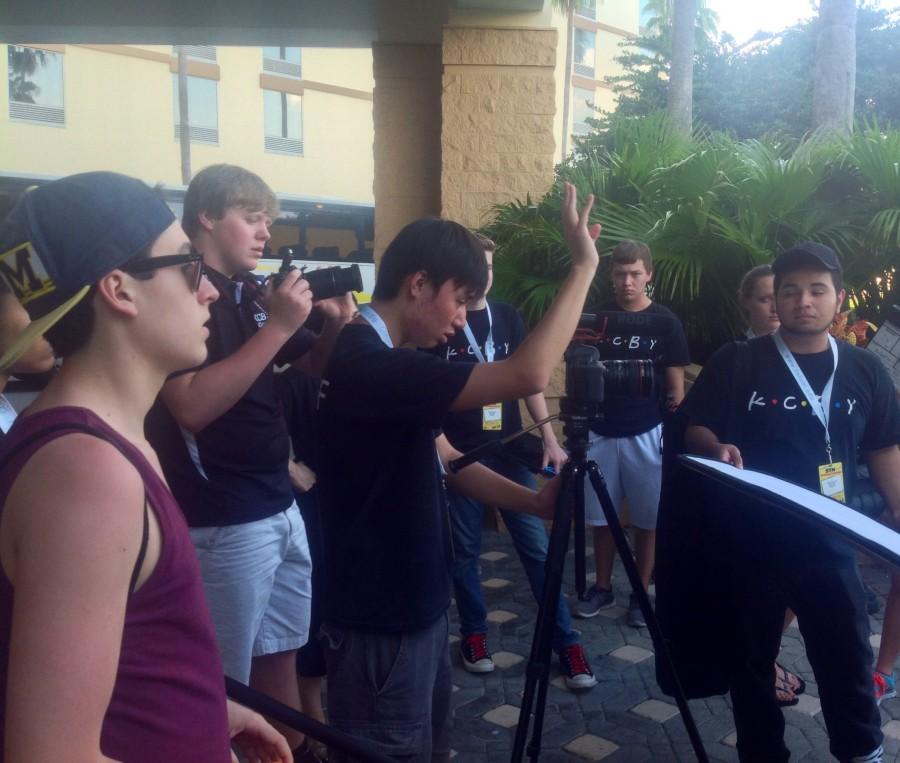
[[101, 435]]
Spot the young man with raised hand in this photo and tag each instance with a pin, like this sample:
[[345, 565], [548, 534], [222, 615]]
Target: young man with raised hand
[[628, 440], [108, 649], [809, 406], [227, 458], [381, 461], [494, 331]]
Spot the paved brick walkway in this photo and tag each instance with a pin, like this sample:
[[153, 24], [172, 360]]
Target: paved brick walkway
[[625, 717]]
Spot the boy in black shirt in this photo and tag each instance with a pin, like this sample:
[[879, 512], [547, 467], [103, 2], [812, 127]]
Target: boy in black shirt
[[493, 331], [627, 441], [380, 464], [810, 403]]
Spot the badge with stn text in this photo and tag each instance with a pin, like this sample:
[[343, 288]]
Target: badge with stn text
[[831, 480], [492, 417]]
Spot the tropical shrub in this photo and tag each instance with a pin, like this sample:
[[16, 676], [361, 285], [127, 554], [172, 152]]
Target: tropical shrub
[[711, 207]]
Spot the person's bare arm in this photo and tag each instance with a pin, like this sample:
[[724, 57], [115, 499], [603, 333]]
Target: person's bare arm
[[197, 399], [528, 369], [674, 386], [553, 453], [702, 441], [69, 544], [484, 485], [884, 468]]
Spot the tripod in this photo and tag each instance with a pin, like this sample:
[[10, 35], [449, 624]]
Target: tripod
[[570, 504]]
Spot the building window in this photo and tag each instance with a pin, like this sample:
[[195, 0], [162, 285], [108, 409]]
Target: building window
[[582, 110], [586, 9], [585, 41], [198, 52], [35, 85], [283, 61], [203, 112], [284, 122]]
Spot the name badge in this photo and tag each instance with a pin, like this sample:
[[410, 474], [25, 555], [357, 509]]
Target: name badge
[[831, 480], [492, 417]]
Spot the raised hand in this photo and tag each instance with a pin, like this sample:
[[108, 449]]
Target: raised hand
[[580, 236]]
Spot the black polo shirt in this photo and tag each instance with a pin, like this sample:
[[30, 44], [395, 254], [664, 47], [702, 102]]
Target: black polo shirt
[[235, 470]]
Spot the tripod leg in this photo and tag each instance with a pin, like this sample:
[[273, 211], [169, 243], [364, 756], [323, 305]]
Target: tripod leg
[[538, 669], [659, 644]]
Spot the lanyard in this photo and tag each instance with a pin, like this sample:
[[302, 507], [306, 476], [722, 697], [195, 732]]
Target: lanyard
[[488, 343], [375, 321], [821, 407]]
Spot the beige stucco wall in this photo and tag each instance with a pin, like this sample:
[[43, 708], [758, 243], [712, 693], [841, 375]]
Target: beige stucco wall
[[119, 116], [407, 114], [498, 106]]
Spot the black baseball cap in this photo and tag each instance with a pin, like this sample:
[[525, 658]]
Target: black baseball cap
[[64, 236], [805, 254]]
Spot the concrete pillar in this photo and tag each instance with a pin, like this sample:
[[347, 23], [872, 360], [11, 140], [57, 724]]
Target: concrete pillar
[[498, 106], [407, 150]]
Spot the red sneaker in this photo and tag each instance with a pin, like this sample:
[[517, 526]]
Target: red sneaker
[[475, 654], [575, 668]]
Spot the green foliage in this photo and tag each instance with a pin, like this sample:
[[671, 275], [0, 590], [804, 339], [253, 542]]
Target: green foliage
[[711, 207], [763, 87]]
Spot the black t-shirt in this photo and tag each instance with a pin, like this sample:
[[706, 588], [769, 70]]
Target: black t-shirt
[[383, 507], [235, 470], [628, 416], [298, 394], [779, 435], [464, 429]]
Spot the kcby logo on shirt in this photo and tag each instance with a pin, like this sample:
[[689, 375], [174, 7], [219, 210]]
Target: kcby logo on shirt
[[795, 403], [634, 342], [500, 349]]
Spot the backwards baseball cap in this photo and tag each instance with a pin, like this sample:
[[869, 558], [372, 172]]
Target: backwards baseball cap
[[805, 254], [64, 236]]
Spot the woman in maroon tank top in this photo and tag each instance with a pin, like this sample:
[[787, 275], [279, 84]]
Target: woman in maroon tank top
[[106, 647]]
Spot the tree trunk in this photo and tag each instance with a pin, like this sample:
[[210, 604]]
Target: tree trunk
[[567, 82], [681, 73], [834, 72], [184, 117]]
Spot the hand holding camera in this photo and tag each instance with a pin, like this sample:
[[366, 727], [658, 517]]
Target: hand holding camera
[[288, 300]]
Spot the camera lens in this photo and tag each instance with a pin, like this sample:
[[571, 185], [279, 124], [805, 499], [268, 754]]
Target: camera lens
[[332, 282]]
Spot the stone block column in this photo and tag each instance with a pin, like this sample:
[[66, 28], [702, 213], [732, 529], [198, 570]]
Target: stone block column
[[498, 104], [407, 150]]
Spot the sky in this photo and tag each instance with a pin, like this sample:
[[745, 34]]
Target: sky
[[741, 19]]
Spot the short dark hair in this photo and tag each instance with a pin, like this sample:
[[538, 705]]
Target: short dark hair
[[837, 277], [748, 282], [442, 249], [218, 188], [72, 332], [627, 252], [487, 244]]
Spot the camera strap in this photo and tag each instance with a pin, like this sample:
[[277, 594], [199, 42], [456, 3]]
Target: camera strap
[[820, 405], [489, 351], [376, 322]]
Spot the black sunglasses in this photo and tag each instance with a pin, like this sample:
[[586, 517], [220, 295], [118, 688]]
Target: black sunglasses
[[148, 264]]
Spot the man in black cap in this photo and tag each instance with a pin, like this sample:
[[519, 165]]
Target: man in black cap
[[801, 409]]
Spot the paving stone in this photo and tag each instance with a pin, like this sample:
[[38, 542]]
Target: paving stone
[[495, 584], [506, 716], [613, 613], [494, 556], [731, 739], [633, 654], [505, 660], [453, 640], [500, 616], [807, 705], [891, 730], [655, 710], [875, 640], [590, 747]]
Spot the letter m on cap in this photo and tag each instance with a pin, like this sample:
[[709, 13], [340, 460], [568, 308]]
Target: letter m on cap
[[23, 270]]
